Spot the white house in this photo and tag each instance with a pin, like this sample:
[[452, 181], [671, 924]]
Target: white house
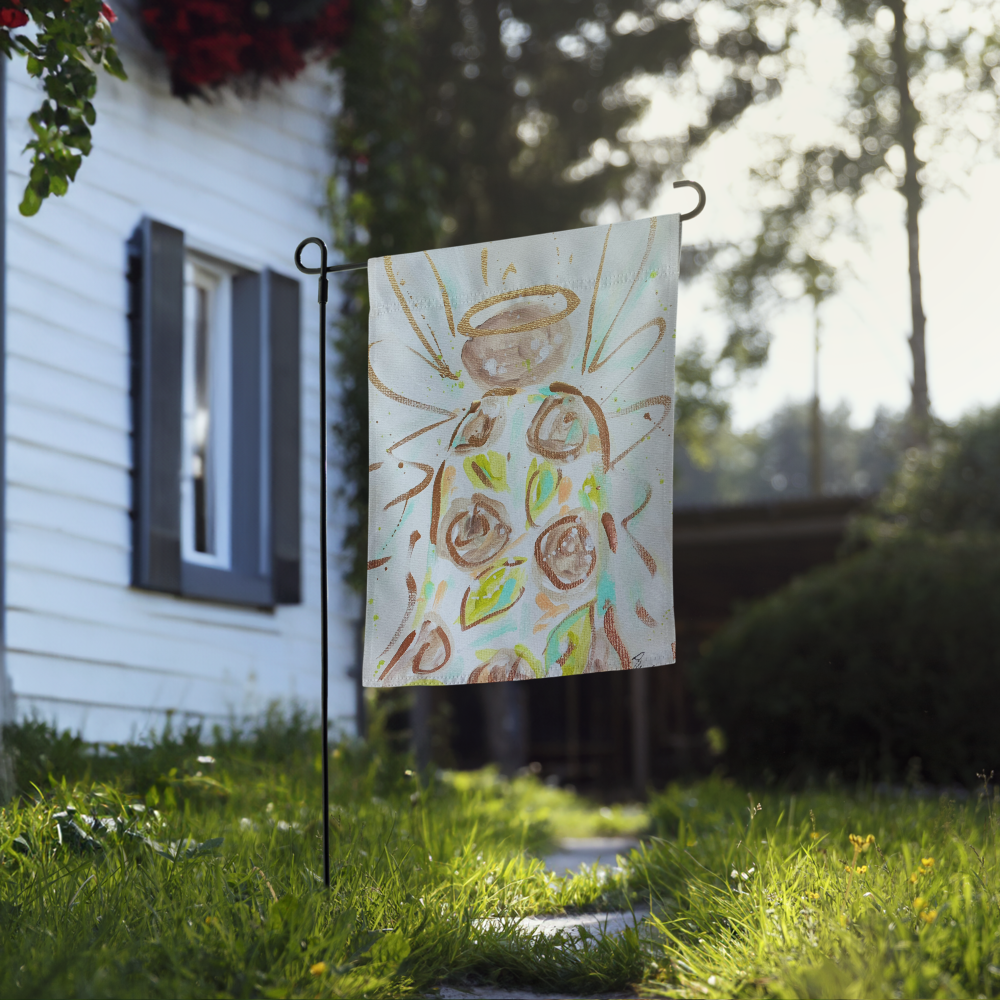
[[160, 438]]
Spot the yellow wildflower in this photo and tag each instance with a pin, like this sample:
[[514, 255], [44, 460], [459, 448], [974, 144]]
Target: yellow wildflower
[[814, 835], [862, 869], [919, 903], [318, 969], [814, 895], [914, 877], [928, 916], [927, 862], [861, 844]]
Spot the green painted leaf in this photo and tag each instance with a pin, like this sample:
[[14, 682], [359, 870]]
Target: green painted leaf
[[543, 487], [495, 591], [568, 645], [590, 493], [488, 470], [526, 654]]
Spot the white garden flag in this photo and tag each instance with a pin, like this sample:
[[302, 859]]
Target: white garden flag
[[521, 441]]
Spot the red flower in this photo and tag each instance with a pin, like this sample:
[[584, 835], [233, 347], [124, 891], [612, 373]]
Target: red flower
[[108, 13], [12, 17], [210, 42]]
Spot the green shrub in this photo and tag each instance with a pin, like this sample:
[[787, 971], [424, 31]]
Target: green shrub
[[861, 667], [952, 486]]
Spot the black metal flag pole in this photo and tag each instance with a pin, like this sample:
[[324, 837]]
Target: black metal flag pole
[[324, 294]]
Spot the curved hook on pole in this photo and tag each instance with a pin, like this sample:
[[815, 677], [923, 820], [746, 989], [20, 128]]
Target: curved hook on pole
[[316, 241], [701, 198], [324, 268], [324, 285]]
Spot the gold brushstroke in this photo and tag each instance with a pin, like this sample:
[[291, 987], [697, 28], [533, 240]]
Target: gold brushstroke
[[565, 387], [466, 328], [614, 637], [436, 359], [644, 616], [411, 603], [428, 471], [593, 304], [663, 401], [644, 554], [444, 295], [635, 281], [436, 505], [416, 434], [657, 321], [483, 258], [374, 466], [395, 396], [609, 529], [407, 642], [602, 431], [510, 270], [375, 563]]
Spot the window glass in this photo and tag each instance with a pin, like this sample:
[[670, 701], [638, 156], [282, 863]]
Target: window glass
[[205, 475]]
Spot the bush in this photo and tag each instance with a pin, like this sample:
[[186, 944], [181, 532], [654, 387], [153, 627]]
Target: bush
[[952, 486], [861, 667]]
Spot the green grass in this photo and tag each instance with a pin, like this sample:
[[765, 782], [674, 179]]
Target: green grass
[[206, 882], [761, 903], [203, 879]]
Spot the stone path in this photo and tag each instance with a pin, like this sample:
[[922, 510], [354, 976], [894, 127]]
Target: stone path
[[499, 993], [572, 854]]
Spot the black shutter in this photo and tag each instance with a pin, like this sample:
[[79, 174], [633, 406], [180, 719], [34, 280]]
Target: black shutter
[[282, 298], [247, 581], [156, 275]]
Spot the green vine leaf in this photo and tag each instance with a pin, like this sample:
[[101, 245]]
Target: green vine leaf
[[70, 42]]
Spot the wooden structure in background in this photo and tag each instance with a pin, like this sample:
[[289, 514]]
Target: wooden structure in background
[[611, 734]]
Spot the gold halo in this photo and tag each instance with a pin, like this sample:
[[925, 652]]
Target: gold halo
[[466, 328]]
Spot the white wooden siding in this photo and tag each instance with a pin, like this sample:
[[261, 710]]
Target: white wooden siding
[[245, 180]]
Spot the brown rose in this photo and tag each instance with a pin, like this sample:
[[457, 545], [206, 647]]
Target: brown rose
[[424, 651], [476, 530], [558, 431], [503, 665], [566, 553], [484, 422]]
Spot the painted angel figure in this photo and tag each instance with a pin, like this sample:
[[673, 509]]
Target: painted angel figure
[[522, 457]]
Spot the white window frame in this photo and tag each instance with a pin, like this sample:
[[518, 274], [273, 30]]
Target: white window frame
[[216, 280]]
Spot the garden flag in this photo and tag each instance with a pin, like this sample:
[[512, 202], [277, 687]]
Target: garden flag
[[521, 448]]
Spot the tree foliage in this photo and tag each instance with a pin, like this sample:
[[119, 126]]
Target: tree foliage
[[953, 486], [466, 121], [69, 42], [919, 104]]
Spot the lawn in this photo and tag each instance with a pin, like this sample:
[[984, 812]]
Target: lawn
[[190, 869]]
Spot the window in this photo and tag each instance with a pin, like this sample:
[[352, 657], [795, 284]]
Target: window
[[216, 437], [207, 390]]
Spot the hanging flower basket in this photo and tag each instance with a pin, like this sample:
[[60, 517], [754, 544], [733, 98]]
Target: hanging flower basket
[[209, 43]]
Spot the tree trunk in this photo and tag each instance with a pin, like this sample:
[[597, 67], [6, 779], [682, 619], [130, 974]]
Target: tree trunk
[[908, 120], [505, 705], [816, 421], [421, 709]]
